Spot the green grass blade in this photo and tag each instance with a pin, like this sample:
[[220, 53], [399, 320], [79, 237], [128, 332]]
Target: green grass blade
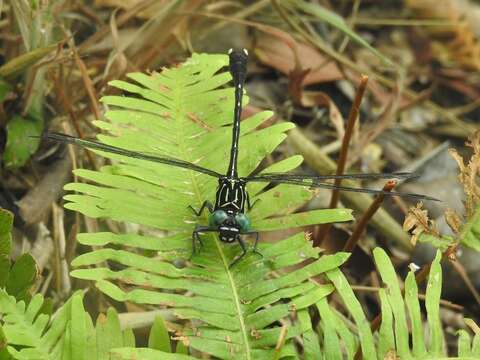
[[394, 295], [432, 305], [325, 15], [413, 306], [386, 338], [355, 309]]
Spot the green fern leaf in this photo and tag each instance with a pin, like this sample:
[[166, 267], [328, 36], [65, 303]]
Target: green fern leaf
[[470, 232], [397, 306], [24, 326], [386, 341], [146, 354], [159, 338], [184, 113], [468, 348], [413, 306], [365, 335], [17, 279], [393, 335], [469, 235], [31, 335], [6, 223]]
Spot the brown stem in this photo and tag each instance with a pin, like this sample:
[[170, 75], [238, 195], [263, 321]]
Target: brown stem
[[65, 102], [342, 159], [87, 83], [362, 223], [382, 221], [464, 275], [463, 128], [352, 118]]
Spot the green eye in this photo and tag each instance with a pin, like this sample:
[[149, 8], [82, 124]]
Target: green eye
[[217, 218], [243, 221]]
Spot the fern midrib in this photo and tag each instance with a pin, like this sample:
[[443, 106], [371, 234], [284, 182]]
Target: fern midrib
[[181, 141], [236, 299]]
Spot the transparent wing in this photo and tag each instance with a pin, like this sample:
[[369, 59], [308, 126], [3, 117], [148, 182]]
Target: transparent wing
[[90, 144], [279, 176], [316, 182]]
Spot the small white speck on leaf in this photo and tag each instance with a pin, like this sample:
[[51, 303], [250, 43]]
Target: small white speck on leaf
[[413, 267]]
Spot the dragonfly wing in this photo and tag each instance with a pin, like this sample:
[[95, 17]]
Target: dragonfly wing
[[90, 144], [371, 176], [315, 182]]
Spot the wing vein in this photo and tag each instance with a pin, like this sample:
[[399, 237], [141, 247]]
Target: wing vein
[[90, 144]]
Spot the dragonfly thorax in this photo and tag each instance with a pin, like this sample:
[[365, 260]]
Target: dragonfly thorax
[[231, 194]]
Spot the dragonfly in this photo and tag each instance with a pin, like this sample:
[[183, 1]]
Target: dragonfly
[[227, 216]]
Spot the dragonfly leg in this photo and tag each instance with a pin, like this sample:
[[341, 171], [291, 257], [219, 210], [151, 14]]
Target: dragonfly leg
[[254, 250], [206, 204], [244, 251], [249, 205], [196, 237]]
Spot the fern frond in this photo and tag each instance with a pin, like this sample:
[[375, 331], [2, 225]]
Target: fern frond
[[16, 278], [26, 327], [69, 334], [146, 354], [399, 314], [183, 113], [467, 233], [470, 232]]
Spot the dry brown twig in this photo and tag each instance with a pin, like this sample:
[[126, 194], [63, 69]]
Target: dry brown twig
[[342, 159], [469, 173], [362, 223]]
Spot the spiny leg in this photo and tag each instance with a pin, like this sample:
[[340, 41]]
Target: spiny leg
[[249, 205], [196, 237], [244, 249], [206, 204], [255, 243]]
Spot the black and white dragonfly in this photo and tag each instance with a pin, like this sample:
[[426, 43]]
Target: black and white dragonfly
[[227, 214]]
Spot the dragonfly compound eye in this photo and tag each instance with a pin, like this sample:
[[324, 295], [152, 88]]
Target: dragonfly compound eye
[[217, 218], [243, 221]]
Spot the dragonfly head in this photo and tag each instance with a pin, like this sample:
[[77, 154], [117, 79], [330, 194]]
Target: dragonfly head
[[229, 234], [229, 224]]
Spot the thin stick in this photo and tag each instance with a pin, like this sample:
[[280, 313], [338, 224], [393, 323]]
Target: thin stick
[[463, 128], [352, 118], [342, 159], [68, 108], [362, 223], [122, 19], [87, 83], [464, 275]]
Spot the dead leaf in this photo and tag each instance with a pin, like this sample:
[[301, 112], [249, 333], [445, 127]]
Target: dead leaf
[[468, 175], [417, 222], [453, 220], [278, 54], [456, 42], [391, 355], [312, 98], [295, 83], [147, 13]]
